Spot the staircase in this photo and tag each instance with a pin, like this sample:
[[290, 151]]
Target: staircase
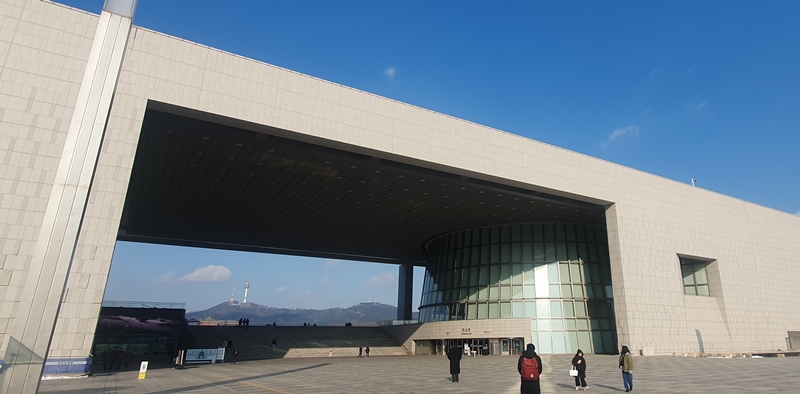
[[255, 343]]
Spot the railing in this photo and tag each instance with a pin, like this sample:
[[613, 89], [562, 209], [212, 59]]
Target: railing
[[143, 304]]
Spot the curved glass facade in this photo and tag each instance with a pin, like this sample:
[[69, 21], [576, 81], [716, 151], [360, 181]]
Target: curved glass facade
[[557, 275]]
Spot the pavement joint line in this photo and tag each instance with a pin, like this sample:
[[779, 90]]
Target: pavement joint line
[[224, 378]]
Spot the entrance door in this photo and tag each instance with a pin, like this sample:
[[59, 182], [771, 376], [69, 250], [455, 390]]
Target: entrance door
[[504, 347]]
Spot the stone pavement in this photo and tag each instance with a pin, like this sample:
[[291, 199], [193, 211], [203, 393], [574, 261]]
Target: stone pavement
[[421, 374]]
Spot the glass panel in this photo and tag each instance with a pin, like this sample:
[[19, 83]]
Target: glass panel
[[527, 252], [505, 274], [516, 253], [577, 291], [486, 254], [472, 311], [538, 252], [555, 308], [690, 290], [534, 327], [483, 310], [569, 309], [544, 324], [550, 251], [557, 324], [527, 236], [476, 255], [555, 291], [548, 232], [580, 309], [552, 272], [700, 276], [484, 278], [583, 324], [572, 251], [538, 232], [570, 324], [485, 238], [566, 291], [589, 292], [582, 252], [528, 274], [495, 254], [494, 293], [495, 235], [505, 234], [473, 276], [702, 290], [493, 312], [505, 292], [544, 346], [542, 285], [559, 345], [543, 308], [505, 253], [564, 272], [561, 251], [597, 342], [473, 293], [516, 274], [483, 293], [575, 271], [530, 291], [608, 342], [572, 342], [517, 292], [517, 310], [584, 342], [495, 278], [530, 309], [505, 310], [688, 278]]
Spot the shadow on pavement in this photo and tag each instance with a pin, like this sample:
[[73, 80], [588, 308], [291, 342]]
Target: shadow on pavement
[[224, 382], [610, 387]]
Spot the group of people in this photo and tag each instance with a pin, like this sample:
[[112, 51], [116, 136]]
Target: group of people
[[530, 368], [244, 322], [362, 352], [113, 358]]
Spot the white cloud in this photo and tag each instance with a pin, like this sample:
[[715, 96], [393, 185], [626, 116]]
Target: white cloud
[[168, 277], [211, 273], [325, 281], [383, 279], [333, 263], [282, 289], [697, 104], [630, 132], [390, 72]]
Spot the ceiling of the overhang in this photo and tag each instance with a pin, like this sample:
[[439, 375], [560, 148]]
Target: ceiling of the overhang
[[198, 183]]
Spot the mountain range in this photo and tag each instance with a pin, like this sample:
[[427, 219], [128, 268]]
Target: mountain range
[[363, 314]]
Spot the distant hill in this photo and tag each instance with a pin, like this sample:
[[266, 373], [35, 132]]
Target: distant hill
[[363, 314]]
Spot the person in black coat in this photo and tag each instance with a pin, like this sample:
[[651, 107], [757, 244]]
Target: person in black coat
[[529, 386], [454, 355], [579, 363]]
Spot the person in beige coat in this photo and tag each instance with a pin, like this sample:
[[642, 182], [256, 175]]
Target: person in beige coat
[[626, 365]]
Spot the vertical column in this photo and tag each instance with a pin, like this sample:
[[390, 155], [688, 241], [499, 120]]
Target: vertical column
[[40, 300], [405, 290]]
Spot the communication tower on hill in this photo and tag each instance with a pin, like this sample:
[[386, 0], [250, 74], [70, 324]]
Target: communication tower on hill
[[246, 287]]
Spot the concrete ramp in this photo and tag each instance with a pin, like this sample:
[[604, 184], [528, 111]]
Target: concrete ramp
[[255, 343]]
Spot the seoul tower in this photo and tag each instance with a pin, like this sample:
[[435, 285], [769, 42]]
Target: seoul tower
[[232, 291], [246, 287]]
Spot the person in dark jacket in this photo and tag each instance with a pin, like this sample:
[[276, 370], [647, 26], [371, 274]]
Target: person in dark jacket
[[626, 365], [454, 355], [579, 363], [529, 386]]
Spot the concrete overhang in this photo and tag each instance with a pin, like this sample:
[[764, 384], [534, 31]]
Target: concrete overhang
[[202, 180]]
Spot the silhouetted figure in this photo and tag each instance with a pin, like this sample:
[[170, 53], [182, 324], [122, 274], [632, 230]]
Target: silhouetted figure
[[530, 368], [360, 351], [273, 324], [315, 324], [241, 320], [235, 355], [366, 351], [128, 358], [274, 342], [454, 355]]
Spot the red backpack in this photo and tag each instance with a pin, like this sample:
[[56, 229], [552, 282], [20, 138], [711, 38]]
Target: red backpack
[[530, 369]]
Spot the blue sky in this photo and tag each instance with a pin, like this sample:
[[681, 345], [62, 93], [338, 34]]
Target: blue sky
[[681, 89]]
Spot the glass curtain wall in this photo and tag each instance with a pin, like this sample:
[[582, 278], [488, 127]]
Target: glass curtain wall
[[557, 275]]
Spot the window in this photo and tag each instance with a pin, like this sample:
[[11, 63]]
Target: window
[[695, 277]]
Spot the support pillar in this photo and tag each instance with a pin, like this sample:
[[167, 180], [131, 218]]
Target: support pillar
[[405, 290], [40, 301]]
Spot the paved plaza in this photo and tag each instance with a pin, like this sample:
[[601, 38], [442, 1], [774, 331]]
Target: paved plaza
[[420, 374]]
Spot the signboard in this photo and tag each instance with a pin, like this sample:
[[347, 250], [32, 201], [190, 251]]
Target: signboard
[[201, 356], [220, 355], [143, 370]]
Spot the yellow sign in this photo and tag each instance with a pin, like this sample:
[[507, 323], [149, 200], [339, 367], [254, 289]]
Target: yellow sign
[[143, 370]]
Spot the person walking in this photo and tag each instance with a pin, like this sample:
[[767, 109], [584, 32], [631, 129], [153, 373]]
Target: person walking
[[579, 363], [235, 355], [626, 365], [530, 368], [366, 351], [454, 355], [360, 351]]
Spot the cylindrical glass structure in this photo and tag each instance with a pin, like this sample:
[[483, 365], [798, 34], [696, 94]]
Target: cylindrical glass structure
[[555, 274]]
